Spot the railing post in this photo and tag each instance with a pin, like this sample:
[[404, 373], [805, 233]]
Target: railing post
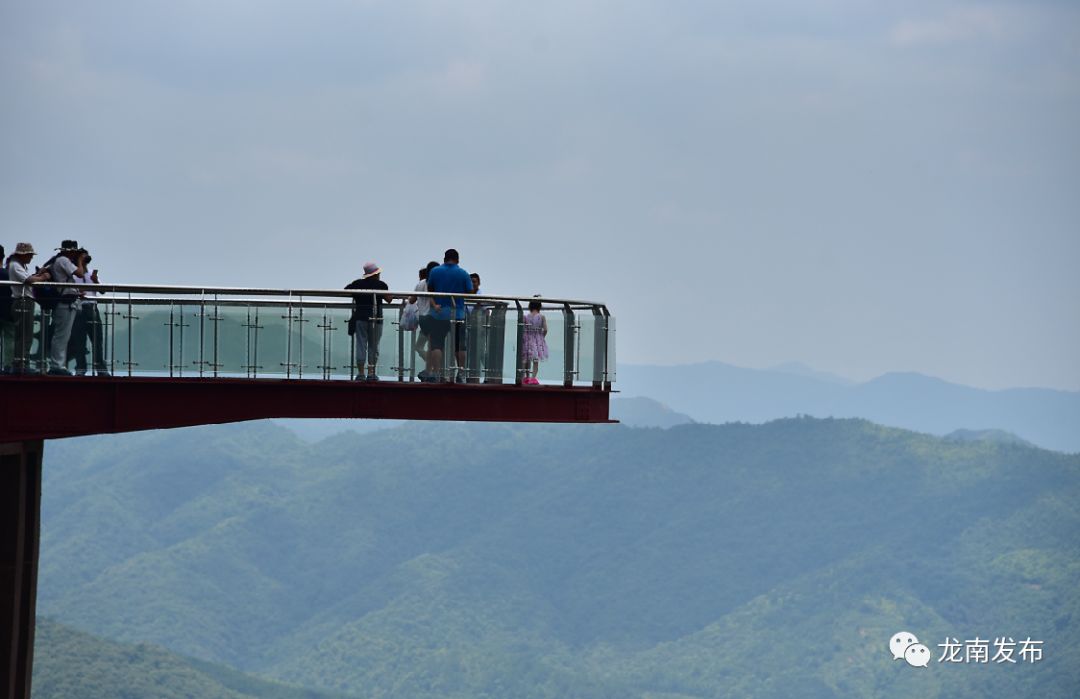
[[495, 329], [569, 333], [599, 368], [519, 374], [400, 347]]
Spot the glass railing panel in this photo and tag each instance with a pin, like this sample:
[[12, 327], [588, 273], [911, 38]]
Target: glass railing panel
[[487, 337], [475, 339], [611, 349], [513, 364], [139, 340], [197, 338], [230, 346], [391, 348], [412, 362], [585, 350], [305, 342], [39, 349], [329, 338], [342, 345], [273, 337]]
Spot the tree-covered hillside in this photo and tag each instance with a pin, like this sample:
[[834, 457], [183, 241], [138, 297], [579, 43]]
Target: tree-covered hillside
[[70, 664], [440, 560]]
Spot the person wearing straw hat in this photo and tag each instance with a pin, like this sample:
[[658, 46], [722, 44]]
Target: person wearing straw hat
[[22, 304], [365, 325]]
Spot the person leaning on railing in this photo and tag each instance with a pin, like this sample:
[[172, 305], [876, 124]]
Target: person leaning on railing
[[366, 323], [22, 305], [448, 312]]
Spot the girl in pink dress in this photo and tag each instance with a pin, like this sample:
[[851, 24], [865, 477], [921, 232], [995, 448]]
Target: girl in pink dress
[[534, 347]]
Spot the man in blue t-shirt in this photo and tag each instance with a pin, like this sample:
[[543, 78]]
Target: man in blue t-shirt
[[447, 311]]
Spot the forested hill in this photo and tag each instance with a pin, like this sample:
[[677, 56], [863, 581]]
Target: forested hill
[[70, 664], [442, 560]]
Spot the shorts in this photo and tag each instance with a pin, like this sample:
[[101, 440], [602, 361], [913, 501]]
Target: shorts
[[425, 325], [438, 331]]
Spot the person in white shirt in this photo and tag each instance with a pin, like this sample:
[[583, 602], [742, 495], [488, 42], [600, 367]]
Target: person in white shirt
[[22, 304], [423, 306]]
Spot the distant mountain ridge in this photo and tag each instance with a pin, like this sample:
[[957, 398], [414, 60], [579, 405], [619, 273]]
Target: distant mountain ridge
[[715, 392], [635, 412]]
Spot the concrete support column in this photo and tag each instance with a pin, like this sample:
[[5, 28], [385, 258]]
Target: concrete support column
[[20, 528]]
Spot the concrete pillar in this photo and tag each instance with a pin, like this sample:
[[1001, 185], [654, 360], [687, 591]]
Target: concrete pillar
[[20, 529]]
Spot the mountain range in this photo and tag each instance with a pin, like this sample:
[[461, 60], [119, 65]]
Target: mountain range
[[447, 560], [715, 392]]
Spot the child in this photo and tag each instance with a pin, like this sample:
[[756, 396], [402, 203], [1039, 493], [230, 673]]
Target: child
[[534, 343]]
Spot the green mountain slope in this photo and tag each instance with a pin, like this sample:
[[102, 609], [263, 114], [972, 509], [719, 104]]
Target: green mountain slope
[[465, 561], [69, 663]]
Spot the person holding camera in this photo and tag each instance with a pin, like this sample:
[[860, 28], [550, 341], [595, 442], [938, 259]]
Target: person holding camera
[[87, 324], [63, 268]]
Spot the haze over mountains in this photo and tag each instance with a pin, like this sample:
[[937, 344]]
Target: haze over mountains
[[445, 560], [715, 392]]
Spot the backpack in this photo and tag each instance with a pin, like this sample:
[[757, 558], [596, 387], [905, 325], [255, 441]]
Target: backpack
[[47, 297]]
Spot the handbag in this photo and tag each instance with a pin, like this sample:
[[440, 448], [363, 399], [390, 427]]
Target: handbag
[[410, 317]]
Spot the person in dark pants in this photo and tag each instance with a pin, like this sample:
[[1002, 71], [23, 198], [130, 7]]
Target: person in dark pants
[[87, 325], [7, 319], [367, 320], [448, 313]]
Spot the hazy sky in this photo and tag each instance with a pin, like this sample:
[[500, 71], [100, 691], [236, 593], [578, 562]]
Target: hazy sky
[[860, 185]]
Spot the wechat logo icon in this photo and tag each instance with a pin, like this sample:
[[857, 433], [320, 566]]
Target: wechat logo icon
[[905, 646]]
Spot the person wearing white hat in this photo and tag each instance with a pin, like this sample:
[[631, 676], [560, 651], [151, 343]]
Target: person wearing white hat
[[22, 304], [365, 325]]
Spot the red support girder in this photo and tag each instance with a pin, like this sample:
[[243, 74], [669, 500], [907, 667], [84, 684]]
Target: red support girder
[[42, 407]]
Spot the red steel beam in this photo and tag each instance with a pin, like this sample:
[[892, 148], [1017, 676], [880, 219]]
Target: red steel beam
[[44, 407]]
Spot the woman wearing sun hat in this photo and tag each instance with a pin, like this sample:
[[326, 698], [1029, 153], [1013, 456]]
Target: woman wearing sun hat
[[365, 325]]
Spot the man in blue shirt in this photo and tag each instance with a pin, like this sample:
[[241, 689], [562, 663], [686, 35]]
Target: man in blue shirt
[[447, 311]]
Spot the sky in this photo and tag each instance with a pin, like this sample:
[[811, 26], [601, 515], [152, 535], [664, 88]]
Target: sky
[[862, 186]]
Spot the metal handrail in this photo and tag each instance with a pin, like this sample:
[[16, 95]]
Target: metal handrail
[[262, 291]]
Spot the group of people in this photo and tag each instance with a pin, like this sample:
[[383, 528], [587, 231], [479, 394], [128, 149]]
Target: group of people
[[67, 319], [67, 324], [437, 319]]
